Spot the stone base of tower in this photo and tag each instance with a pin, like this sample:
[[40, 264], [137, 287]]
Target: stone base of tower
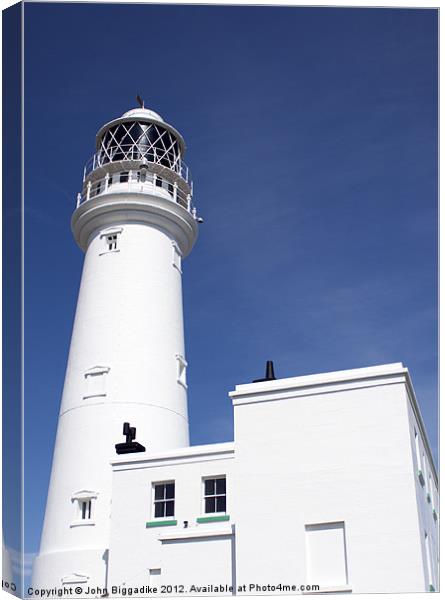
[[76, 573]]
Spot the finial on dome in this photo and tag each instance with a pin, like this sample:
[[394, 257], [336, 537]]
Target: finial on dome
[[140, 101]]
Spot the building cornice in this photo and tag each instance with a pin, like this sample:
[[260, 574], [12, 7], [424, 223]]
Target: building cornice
[[175, 456], [117, 209]]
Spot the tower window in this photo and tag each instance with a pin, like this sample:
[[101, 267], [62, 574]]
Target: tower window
[[112, 241], [96, 382], [215, 495], [182, 370], [155, 577], [164, 500], [158, 181], [123, 177], [176, 257], [85, 509]]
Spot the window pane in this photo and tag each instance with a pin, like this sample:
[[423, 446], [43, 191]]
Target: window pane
[[170, 508], [159, 492], [159, 509], [221, 504], [209, 487], [221, 486], [210, 505], [170, 490]]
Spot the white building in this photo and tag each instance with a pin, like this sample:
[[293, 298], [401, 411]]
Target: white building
[[329, 483]]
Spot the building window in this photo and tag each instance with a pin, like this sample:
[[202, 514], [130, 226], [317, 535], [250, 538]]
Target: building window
[[164, 500], [215, 495], [428, 562], [158, 182], [123, 177], [182, 370], [417, 446]]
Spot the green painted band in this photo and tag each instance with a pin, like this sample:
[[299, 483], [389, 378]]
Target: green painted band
[[215, 518], [161, 523]]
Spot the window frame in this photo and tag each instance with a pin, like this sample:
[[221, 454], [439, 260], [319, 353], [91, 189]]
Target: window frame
[[204, 496], [115, 232], [182, 365], [177, 257], [101, 390], [80, 499], [111, 241], [163, 500]]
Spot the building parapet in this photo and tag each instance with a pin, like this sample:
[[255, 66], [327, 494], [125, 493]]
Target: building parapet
[[172, 456]]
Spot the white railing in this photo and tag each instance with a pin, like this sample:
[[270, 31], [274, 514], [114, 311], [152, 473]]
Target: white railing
[[136, 182], [167, 159]]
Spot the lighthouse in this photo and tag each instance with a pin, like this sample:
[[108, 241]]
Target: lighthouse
[[135, 221]]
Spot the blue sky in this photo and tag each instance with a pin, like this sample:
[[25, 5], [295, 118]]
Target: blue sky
[[312, 138]]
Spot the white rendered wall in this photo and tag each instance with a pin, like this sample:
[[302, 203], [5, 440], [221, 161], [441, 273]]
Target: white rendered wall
[[129, 323], [199, 554], [322, 449], [320, 461]]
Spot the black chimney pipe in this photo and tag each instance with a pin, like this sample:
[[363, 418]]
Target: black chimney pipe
[[270, 375]]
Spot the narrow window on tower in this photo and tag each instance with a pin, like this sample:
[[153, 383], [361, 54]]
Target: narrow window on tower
[[83, 508], [110, 240], [96, 382], [176, 261], [215, 494], [164, 500], [154, 577], [182, 370], [123, 177]]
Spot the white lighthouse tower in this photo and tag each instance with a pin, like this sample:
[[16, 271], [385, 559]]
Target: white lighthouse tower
[[135, 221]]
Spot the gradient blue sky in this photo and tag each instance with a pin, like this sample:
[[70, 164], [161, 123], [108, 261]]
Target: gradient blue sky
[[312, 137]]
